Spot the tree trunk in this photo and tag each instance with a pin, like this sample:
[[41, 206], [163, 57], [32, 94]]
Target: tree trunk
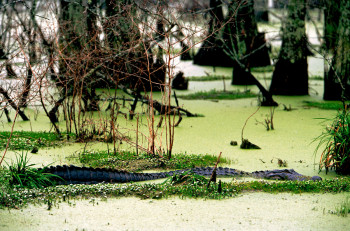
[[261, 12], [248, 47], [238, 41], [135, 69], [332, 14], [72, 28], [267, 99], [31, 34], [336, 85], [291, 71], [185, 52], [211, 52]]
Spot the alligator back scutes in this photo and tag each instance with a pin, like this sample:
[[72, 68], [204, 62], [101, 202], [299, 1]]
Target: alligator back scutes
[[86, 175]]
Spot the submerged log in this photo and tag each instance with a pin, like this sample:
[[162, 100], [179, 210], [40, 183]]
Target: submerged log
[[246, 144]]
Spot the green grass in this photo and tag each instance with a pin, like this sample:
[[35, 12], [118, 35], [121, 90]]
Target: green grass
[[130, 161], [226, 77], [324, 105], [209, 78], [184, 186], [22, 174], [343, 209], [263, 69], [24, 140], [218, 95], [316, 77]]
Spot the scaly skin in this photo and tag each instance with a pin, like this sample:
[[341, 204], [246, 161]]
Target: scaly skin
[[84, 175]]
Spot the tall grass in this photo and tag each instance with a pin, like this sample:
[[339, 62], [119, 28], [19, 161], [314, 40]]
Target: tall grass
[[344, 208], [22, 174], [324, 105], [336, 138]]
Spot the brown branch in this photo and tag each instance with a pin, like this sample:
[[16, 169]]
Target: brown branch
[[52, 119], [213, 174]]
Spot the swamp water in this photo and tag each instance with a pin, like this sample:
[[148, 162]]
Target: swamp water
[[222, 122]]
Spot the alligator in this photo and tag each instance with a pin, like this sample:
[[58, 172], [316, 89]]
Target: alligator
[[87, 175]]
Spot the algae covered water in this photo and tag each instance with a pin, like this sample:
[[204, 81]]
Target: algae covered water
[[222, 122]]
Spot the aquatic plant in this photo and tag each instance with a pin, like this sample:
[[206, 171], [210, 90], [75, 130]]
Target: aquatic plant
[[344, 208], [183, 186], [188, 178], [26, 140], [269, 68], [336, 138], [209, 78], [22, 174], [268, 121], [219, 95], [324, 105]]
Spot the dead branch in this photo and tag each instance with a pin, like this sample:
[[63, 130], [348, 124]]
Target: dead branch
[[159, 107], [213, 174]]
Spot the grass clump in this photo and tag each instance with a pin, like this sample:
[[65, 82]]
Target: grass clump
[[22, 174], [343, 209], [316, 77], [209, 78], [213, 77], [336, 143], [324, 105], [130, 161], [219, 95], [188, 178], [24, 140], [269, 68]]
